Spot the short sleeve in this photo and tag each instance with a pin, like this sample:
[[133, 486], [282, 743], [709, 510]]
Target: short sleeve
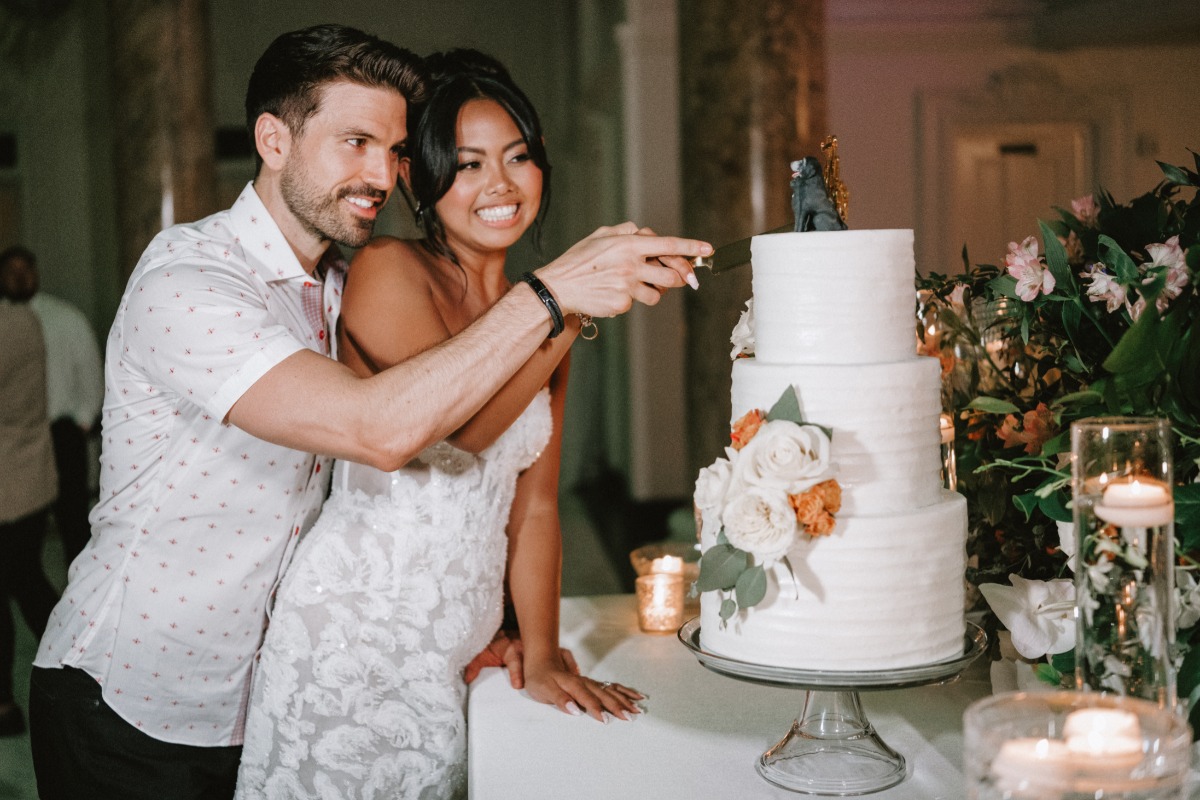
[[206, 333]]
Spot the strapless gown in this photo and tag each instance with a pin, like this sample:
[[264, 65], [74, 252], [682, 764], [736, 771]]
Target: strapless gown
[[358, 692]]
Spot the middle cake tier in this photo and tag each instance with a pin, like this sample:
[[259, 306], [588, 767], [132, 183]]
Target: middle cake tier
[[884, 417]]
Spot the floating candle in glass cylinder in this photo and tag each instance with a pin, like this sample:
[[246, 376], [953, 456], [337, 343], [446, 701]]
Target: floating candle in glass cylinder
[[1139, 502], [660, 602], [1074, 745], [1121, 479]]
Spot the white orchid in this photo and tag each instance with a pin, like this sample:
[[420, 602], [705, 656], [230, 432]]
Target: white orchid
[[1066, 542], [1038, 614], [1187, 596]]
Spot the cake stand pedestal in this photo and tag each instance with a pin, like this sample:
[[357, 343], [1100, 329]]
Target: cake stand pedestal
[[832, 748]]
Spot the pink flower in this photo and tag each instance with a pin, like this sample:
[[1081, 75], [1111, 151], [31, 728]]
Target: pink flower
[[1104, 289], [1024, 265], [1086, 210], [1169, 255]]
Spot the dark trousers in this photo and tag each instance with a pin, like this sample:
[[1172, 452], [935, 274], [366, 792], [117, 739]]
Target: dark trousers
[[74, 494], [22, 580], [82, 749]]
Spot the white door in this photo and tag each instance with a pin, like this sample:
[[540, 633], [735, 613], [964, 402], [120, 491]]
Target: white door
[[1005, 177]]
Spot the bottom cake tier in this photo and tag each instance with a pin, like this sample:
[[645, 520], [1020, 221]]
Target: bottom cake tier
[[878, 593]]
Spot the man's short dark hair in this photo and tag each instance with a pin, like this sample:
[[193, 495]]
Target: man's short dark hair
[[17, 251], [289, 77]]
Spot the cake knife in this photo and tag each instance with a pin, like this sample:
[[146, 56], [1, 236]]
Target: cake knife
[[734, 254]]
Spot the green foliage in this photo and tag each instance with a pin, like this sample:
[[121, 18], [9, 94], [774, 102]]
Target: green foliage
[[1065, 356]]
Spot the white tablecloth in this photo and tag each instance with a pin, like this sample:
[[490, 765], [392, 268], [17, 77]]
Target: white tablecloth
[[702, 734]]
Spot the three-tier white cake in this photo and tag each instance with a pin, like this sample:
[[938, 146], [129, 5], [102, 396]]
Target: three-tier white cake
[[834, 318]]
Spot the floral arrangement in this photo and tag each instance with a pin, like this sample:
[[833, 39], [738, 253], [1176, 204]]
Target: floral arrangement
[[773, 487], [1100, 318]]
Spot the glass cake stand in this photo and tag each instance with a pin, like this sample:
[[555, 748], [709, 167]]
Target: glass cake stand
[[832, 748]]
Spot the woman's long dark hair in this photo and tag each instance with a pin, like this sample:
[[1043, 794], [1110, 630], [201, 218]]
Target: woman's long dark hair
[[457, 77]]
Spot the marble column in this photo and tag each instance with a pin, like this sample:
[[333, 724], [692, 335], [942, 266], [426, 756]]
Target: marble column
[[164, 156], [753, 99]]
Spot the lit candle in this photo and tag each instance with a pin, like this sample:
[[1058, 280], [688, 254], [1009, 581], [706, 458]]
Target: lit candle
[[671, 565], [1100, 749], [1141, 502], [1109, 734], [1032, 767], [660, 602]]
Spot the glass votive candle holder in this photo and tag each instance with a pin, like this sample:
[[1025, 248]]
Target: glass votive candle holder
[[672, 558], [1074, 745], [660, 602]]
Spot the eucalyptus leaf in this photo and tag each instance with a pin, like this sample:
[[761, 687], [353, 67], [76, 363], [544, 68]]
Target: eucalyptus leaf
[[787, 407], [751, 587], [720, 567], [728, 608]]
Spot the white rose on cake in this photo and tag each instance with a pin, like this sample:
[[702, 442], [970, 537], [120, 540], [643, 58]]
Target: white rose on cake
[[712, 484], [742, 337], [783, 456], [761, 522]]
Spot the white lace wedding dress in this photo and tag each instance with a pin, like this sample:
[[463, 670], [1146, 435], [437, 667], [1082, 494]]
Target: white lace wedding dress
[[358, 693]]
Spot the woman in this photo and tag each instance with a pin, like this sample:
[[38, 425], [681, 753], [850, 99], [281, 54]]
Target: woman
[[359, 691]]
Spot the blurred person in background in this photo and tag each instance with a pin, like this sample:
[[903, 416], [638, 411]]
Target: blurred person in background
[[26, 492], [74, 390]]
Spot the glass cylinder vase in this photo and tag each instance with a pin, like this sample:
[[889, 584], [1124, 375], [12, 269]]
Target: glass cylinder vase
[[1121, 479]]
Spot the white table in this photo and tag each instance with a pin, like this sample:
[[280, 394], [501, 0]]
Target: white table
[[702, 734]]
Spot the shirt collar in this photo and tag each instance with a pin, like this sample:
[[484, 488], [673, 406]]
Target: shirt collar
[[261, 239]]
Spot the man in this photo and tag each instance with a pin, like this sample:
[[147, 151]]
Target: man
[[220, 387], [74, 387], [26, 493]]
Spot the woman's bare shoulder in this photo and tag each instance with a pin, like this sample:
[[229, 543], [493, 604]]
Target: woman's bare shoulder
[[389, 257]]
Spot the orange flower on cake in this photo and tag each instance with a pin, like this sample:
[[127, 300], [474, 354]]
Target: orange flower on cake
[[745, 427], [774, 486]]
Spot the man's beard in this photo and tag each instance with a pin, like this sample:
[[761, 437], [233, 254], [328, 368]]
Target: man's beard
[[321, 215]]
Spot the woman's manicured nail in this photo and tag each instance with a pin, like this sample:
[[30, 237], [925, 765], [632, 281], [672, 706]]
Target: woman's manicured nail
[[574, 710]]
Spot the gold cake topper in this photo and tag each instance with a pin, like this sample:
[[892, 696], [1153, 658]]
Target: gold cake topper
[[837, 190]]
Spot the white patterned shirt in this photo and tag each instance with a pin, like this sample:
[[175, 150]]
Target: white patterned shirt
[[166, 606]]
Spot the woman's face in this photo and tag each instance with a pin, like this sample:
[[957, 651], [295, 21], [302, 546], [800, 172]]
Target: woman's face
[[497, 191]]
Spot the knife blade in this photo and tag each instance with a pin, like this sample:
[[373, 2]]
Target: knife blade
[[734, 254]]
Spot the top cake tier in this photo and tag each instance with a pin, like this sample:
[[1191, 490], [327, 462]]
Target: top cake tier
[[833, 297]]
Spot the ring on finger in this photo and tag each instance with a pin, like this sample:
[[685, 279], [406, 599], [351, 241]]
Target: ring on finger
[[606, 684]]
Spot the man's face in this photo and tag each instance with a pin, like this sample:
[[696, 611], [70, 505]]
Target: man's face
[[342, 167], [18, 279]]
